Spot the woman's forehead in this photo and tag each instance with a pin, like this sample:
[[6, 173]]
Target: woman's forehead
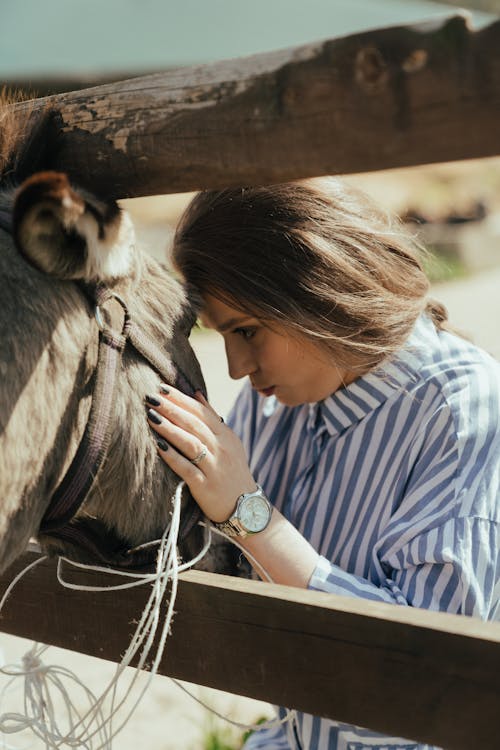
[[222, 316]]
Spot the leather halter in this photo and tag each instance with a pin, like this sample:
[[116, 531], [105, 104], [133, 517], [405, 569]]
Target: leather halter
[[59, 522], [83, 469]]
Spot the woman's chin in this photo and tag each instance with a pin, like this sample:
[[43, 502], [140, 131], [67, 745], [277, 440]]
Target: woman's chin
[[288, 399]]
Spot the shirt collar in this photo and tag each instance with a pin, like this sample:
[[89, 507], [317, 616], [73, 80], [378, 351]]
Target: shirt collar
[[355, 401]]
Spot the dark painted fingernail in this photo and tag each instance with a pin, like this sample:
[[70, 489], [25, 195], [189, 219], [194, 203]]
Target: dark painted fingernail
[[162, 444], [153, 400], [154, 416], [164, 389]]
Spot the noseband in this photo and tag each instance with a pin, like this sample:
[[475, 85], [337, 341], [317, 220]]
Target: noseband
[[59, 522]]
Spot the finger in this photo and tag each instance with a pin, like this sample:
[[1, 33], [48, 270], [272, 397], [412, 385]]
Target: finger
[[201, 398], [197, 406], [176, 396], [181, 417], [186, 443], [179, 464]]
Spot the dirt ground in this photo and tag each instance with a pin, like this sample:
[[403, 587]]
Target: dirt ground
[[167, 719]]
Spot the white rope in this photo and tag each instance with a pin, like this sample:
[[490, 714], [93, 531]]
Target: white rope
[[39, 679], [268, 724], [256, 564], [42, 683], [18, 578], [39, 714]]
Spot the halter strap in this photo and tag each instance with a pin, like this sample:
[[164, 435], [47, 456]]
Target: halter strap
[[81, 474], [59, 520]]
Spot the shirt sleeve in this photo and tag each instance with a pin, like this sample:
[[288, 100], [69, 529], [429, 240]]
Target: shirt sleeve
[[454, 569], [440, 548]]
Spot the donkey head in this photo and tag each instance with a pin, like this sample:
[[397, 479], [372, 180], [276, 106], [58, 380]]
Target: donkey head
[[48, 354]]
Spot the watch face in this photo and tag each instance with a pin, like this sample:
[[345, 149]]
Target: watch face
[[254, 513]]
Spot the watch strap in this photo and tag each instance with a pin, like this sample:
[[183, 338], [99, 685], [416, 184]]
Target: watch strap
[[232, 526]]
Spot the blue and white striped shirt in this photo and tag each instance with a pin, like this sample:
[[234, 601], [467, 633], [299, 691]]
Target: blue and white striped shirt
[[395, 481]]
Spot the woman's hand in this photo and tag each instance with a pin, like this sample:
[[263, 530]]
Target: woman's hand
[[188, 428]]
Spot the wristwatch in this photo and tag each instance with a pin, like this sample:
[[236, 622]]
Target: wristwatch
[[252, 514]]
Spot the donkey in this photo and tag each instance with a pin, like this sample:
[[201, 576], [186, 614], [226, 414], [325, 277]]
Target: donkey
[[57, 242]]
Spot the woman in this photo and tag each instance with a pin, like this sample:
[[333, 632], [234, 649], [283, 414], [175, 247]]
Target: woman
[[373, 430]]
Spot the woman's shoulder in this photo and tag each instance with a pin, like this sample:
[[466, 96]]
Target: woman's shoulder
[[448, 359], [461, 378]]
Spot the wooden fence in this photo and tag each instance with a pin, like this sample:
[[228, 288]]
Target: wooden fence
[[429, 676], [386, 98]]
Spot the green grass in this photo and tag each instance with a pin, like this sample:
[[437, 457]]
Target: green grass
[[225, 738], [213, 741], [220, 737]]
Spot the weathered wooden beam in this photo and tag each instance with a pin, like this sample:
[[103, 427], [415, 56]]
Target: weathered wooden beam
[[387, 98], [46, 85], [427, 676]]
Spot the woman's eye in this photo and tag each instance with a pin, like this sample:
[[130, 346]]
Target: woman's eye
[[246, 333]]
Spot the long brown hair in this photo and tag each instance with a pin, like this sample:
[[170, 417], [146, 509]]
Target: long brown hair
[[315, 256]]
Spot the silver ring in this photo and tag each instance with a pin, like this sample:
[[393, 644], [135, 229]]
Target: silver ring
[[201, 455]]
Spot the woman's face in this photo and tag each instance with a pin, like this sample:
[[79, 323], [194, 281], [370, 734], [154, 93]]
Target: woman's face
[[278, 363]]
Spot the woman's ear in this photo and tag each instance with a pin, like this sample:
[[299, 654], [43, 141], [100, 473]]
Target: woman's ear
[[67, 233]]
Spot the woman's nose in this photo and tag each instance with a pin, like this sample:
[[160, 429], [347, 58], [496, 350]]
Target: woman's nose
[[239, 360]]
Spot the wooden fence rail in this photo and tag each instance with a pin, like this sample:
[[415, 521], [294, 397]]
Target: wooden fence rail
[[386, 98], [429, 676]]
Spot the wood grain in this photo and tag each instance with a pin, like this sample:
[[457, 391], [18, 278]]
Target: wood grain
[[427, 676], [391, 97]]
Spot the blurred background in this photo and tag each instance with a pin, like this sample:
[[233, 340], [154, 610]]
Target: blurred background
[[453, 209]]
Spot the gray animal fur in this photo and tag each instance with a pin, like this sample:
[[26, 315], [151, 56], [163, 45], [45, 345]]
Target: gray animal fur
[[48, 349]]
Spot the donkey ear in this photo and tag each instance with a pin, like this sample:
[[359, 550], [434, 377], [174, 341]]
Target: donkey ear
[[68, 233]]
